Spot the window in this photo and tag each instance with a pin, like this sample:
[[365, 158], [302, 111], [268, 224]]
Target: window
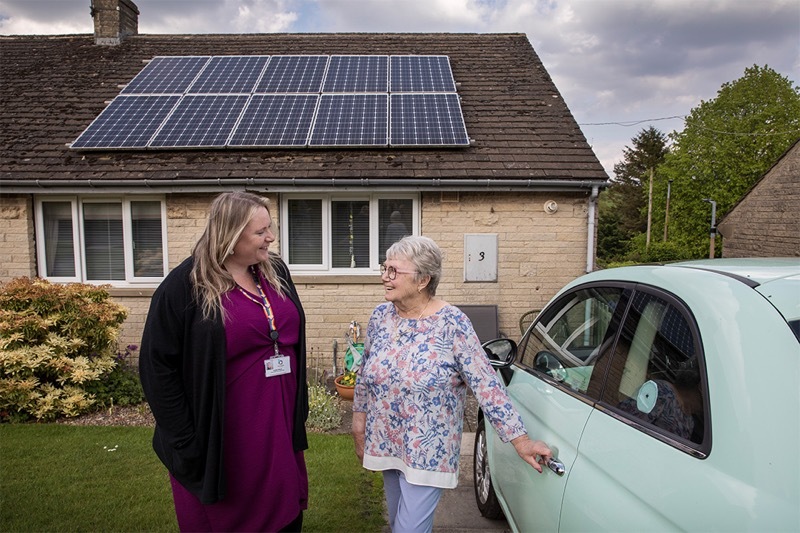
[[344, 234], [566, 344], [655, 376], [109, 240]]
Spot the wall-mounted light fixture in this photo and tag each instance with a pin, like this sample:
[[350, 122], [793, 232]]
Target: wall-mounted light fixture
[[550, 207]]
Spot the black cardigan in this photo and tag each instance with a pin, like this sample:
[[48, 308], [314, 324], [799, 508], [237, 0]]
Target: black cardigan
[[182, 368]]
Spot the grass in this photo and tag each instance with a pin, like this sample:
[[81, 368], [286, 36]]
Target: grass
[[89, 478]]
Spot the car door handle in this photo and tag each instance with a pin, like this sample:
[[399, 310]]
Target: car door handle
[[556, 466]]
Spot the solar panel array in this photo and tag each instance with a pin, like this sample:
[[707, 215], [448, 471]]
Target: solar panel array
[[283, 101]]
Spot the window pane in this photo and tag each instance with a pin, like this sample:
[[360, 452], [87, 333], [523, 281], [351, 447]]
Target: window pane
[[655, 373], [305, 232], [394, 220], [148, 252], [567, 343], [59, 248], [350, 234], [102, 226]]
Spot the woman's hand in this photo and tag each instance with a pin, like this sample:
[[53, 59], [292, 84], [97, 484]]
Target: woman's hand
[[358, 430], [533, 452]]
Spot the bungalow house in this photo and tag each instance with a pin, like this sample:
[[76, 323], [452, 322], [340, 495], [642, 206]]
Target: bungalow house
[[512, 200], [765, 222]]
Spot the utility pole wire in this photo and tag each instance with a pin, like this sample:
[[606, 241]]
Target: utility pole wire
[[637, 122]]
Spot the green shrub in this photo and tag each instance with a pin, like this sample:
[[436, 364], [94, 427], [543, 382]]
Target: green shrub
[[120, 387], [54, 340], [324, 412]]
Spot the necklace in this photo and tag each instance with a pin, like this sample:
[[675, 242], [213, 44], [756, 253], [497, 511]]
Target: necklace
[[398, 332]]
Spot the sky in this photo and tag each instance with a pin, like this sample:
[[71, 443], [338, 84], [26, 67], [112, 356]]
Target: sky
[[621, 65]]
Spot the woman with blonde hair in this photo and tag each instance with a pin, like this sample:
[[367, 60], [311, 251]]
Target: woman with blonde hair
[[222, 364]]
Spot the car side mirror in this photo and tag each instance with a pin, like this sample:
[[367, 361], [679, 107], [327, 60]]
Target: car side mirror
[[501, 352]]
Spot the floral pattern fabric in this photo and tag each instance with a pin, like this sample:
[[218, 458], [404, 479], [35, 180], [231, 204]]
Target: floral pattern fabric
[[412, 387]]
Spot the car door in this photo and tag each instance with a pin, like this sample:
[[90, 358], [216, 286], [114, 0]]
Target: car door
[[554, 384], [649, 432]]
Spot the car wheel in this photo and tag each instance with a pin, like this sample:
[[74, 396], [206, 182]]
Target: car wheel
[[484, 490]]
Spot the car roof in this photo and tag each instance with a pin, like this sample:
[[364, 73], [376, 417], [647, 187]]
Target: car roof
[[759, 271], [776, 279]]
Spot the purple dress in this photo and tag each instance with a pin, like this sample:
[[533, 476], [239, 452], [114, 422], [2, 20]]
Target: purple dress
[[267, 484]]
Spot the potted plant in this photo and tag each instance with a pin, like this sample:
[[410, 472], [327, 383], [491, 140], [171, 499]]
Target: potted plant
[[345, 385]]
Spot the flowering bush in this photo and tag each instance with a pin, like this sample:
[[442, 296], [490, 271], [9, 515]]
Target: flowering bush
[[54, 340], [324, 413], [120, 387]]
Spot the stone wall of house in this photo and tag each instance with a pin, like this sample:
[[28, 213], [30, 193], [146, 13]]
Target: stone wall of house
[[16, 239], [765, 223], [538, 253]]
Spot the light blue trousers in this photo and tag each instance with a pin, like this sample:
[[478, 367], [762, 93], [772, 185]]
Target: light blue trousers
[[411, 507]]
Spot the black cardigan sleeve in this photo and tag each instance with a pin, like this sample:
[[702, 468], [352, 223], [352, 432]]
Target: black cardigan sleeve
[[299, 435], [161, 358]]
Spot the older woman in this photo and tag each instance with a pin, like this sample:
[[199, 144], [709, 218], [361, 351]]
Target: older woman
[[420, 355]]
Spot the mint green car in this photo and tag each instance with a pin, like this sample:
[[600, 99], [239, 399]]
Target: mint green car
[[670, 396]]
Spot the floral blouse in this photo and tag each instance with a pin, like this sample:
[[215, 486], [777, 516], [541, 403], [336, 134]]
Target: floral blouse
[[412, 387]]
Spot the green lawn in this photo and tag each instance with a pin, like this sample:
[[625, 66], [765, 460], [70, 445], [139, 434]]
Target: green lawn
[[87, 478]]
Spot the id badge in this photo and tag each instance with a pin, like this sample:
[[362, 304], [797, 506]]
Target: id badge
[[277, 366]]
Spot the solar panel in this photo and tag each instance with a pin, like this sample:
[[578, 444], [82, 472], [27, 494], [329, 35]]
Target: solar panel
[[166, 75], [427, 120], [351, 120], [229, 74], [201, 121], [357, 74], [276, 120], [293, 74], [127, 122], [421, 74], [293, 101]]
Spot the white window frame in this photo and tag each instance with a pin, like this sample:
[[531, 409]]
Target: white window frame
[[77, 203], [327, 199]]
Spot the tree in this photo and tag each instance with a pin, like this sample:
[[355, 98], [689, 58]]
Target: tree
[[623, 206], [727, 144]]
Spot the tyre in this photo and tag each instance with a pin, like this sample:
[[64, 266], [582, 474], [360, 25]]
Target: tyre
[[484, 490]]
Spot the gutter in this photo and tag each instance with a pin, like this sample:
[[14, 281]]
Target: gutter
[[590, 229], [294, 184]]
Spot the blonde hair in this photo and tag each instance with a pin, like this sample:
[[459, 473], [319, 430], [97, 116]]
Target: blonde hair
[[229, 214]]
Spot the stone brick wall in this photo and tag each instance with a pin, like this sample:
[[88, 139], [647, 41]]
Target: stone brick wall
[[538, 253], [766, 223], [16, 240]]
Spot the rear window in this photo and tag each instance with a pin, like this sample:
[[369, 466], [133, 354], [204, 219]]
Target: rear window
[[795, 325], [782, 294]]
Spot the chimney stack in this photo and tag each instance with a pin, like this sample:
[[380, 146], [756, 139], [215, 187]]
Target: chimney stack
[[114, 20]]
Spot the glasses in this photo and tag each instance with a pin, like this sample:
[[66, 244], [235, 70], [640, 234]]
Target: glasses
[[391, 272]]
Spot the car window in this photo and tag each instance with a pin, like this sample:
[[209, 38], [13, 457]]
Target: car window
[[571, 336], [655, 374]]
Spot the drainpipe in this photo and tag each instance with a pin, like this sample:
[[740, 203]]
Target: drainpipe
[[590, 234]]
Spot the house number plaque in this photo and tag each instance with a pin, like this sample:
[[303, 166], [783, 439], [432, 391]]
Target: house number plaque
[[480, 257]]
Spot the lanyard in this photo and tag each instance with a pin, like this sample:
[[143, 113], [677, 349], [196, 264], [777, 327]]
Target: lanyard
[[265, 306]]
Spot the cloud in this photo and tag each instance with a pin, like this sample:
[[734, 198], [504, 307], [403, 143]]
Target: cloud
[[44, 17], [403, 16]]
